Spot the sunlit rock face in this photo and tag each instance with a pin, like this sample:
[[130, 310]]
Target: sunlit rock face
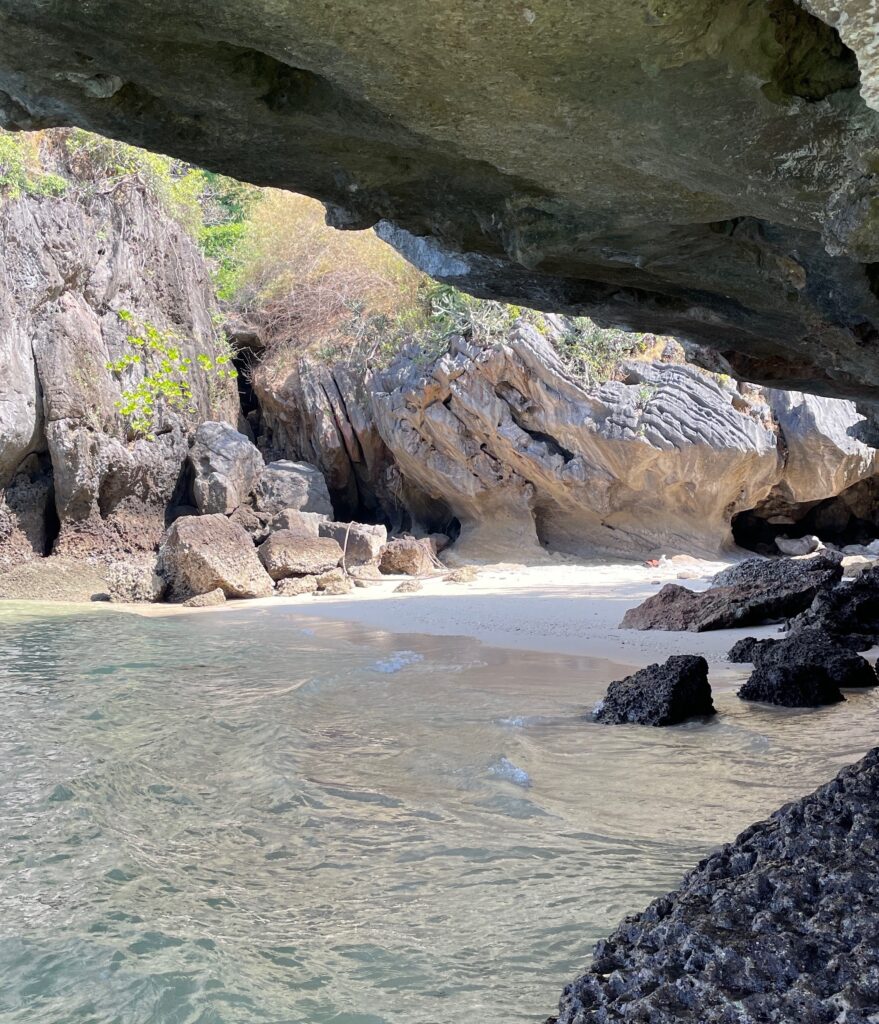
[[693, 167]]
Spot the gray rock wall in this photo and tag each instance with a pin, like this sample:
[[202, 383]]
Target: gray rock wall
[[68, 266]]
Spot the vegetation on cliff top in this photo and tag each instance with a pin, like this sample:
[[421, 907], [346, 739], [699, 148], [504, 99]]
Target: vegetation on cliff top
[[340, 296]]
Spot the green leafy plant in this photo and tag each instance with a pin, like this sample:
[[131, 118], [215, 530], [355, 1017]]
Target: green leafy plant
[[20, 170], [159, 375]]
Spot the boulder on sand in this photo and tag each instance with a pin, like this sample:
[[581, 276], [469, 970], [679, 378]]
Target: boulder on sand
[[798, 545], [204, 553], [364, 543], [226, 467], [659, 694], [284, 554], [850, 609], [292, 485], [407, 557], [747, 594], [209, 600]]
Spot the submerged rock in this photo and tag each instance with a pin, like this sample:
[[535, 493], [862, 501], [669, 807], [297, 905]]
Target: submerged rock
[[659, 694], [779, 926], [204, 553]]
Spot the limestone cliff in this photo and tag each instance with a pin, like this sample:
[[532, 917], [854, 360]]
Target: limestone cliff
[[690, 167], [73, 477], [501, 442]]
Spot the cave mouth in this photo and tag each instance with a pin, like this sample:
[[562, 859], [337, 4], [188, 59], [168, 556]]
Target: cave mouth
[[849, 518]]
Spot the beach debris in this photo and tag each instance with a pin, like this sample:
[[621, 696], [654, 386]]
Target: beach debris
[[659, 695]]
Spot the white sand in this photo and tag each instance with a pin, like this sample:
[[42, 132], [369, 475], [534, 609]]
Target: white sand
[[563, 608]]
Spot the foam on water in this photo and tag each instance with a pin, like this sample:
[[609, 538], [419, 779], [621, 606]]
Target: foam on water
[[396, 662]]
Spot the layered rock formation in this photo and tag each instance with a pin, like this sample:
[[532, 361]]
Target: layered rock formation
[[690, 167], [501, 442], [72, 478]]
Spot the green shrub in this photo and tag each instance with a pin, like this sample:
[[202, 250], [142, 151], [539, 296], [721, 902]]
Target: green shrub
[[166, 380], [20, 169]]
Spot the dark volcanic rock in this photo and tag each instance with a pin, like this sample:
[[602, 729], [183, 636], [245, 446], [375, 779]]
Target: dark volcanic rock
[[659, 694], [744, 650], [755, 591], [778, 572], [820, 651], [458, 130], [848, 609], [780, 926], [791, 686]]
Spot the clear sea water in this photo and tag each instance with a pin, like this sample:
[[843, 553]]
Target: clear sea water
[[247, 818]]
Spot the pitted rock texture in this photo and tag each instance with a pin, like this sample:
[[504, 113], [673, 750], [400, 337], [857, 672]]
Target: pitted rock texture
[[791, 686], [779, 926], [292, 485], [728, 193], [814, 648], [200, 554], [850, 609], [287, 554], [677, 608], [659, 695], [362, 544]]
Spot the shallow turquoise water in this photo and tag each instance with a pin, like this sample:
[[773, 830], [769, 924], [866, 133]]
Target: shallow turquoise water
[[243, 817]]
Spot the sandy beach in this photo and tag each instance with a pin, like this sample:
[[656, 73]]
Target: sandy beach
[[562, 608]]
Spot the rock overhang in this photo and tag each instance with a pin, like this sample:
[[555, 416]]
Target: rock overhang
[[692, 167]]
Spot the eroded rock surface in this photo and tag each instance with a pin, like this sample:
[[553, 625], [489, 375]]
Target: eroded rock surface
[[779, 926], [728, 193], [204, 553], [292, 485], [659, 695], [287, 554], [72, 479], [226, 467]]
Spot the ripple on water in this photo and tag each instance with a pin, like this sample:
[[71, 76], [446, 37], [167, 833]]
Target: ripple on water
[[226, 819]]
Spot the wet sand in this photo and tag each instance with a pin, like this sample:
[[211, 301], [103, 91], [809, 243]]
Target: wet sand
[[563, 608]]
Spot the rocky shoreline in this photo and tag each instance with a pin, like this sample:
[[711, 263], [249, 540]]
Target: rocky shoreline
[[779, 926]]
